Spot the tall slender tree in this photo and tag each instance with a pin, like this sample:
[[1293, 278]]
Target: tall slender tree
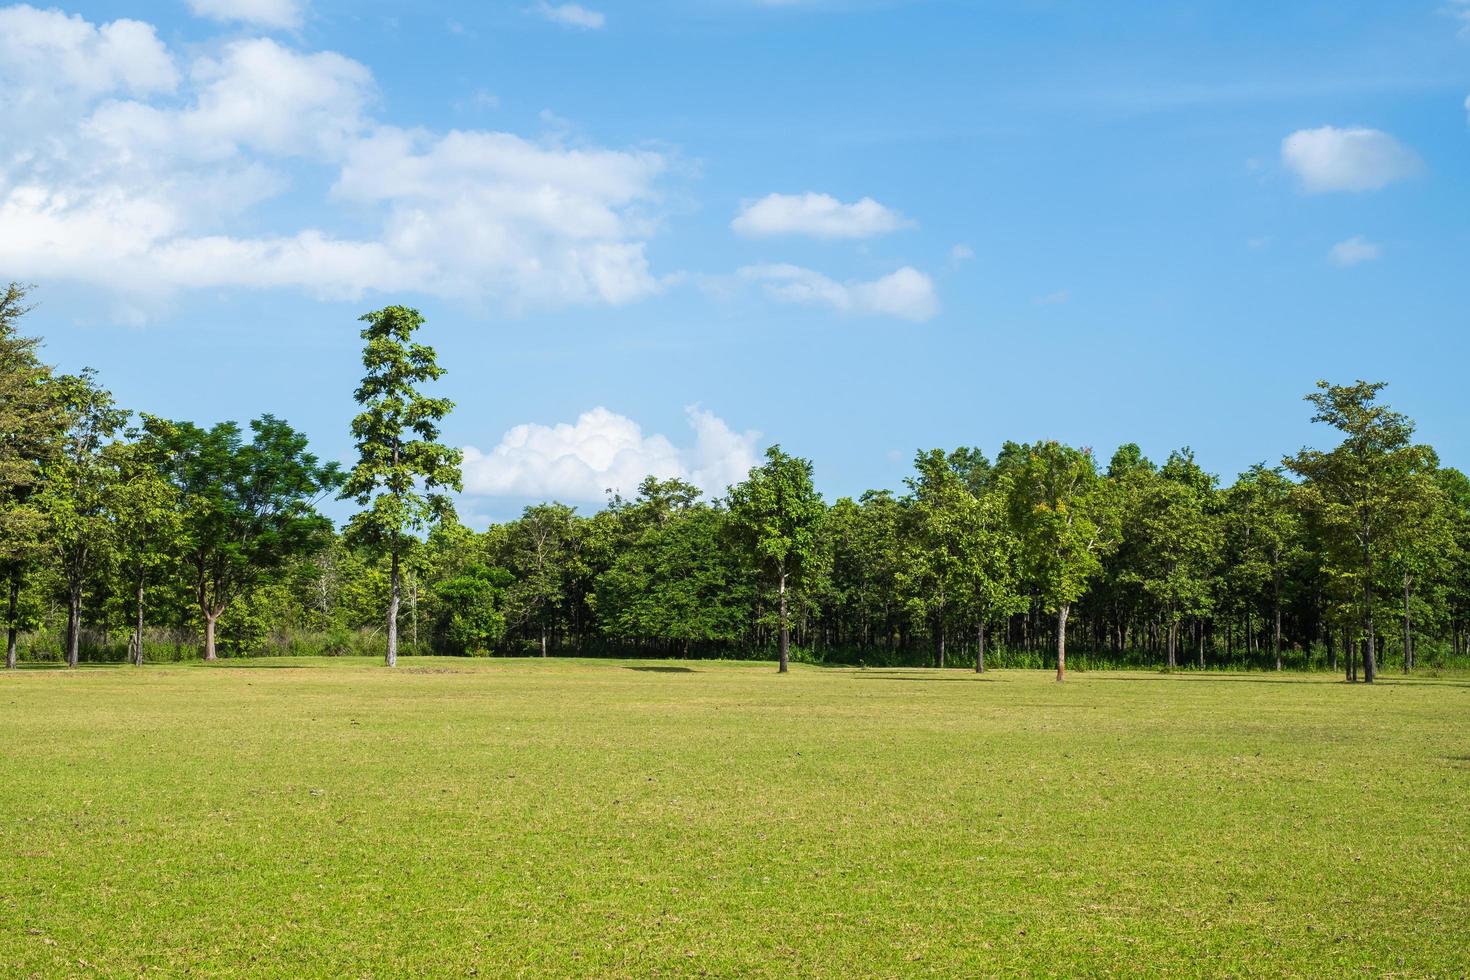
[[777, 513], [1364, 487], [403, 472], [1065, 513]]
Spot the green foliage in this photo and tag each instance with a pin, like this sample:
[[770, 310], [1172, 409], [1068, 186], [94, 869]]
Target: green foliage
[[469, 620], [777, 515], [249, 507], [403, 472]]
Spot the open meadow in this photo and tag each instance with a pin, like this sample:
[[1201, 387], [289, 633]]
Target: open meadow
[[621, 818]]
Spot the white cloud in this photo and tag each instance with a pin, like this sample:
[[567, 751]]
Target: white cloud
[[48, 57], [817, 215], [1055, 299], [137, 179], [604, 450], [1354, 251], [961, 253], [1332, 159], [262, 13], [570, 15], [907, 294]]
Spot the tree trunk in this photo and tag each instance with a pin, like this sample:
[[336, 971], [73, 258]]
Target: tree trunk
[[1370, 654], [1173, 642], [1276, 625], [394, 595], [1408, 631], [1062, 611], [941, 642], [211, 617], [138, 625], [12, 630], [543, 640], [980, 649], [1199, 640], [785, 642], [74, 624]]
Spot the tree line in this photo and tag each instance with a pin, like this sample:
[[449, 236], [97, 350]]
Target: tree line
[[125, 535]]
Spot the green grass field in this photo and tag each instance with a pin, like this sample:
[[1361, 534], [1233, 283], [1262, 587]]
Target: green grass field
[[509, 818]]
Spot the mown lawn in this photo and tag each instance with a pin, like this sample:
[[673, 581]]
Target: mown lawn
[[510, 818]]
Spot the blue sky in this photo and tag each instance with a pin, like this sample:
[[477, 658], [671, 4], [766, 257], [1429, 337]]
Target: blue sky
[[661, 235]]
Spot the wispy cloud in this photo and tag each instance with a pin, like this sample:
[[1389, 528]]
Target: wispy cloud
[[1354, 251], [906, 294], [570, 15]]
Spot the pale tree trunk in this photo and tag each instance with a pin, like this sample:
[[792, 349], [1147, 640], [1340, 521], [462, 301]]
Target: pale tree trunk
[[1199, 638], [74, 624], [211, 616], [394, 594], [413, 608], [1408, 630], [137, 644], [980, 648], [1062, 611], [543, 640], [1173, 641], [1276, 626], [1370, 654], [941, 641], [12, 631], [785, 642]]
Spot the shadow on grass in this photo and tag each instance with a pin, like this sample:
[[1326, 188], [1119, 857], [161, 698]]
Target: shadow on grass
[[967, 679], [661, 670], [1297, 679]]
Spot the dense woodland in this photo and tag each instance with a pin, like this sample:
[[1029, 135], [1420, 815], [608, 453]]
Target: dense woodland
[[126, 536]]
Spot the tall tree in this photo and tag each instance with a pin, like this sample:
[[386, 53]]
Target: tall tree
[[1067, 521], [147, 521], [403, 471], [75, 494], [1364, 487], [31, 424], [1264, 528], [538, 548], [249, 507], [938, 526], [988, 564], [777, 513], [1180, 541]]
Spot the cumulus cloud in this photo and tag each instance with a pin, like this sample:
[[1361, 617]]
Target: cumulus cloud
[[907, 294], [570, 15], [816, 215], [1358, 159], [262, 13], [139, 176], [602, 450], [48, 58], [1354, 251]]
